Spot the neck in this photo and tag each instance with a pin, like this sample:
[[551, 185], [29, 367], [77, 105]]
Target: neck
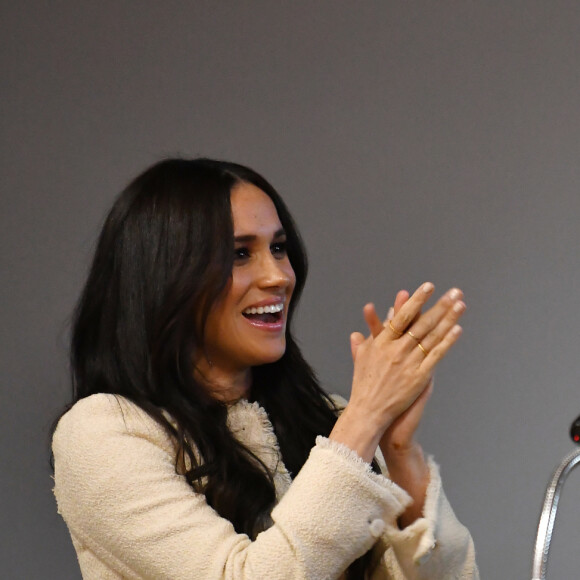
[[225, 385]]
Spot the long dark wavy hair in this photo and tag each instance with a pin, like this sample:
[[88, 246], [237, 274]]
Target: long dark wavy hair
[[164, 256]]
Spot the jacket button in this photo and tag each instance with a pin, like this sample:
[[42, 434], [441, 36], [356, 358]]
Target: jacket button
[[427, 555]]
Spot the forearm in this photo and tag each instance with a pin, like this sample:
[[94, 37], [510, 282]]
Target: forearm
[[147, 521], [408, 469], [436, 545]]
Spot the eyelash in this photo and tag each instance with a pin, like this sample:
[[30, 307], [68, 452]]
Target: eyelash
[[277, 249]]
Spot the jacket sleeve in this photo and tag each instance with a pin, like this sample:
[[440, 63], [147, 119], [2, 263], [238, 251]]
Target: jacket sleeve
[[436, 545], [125, 506]]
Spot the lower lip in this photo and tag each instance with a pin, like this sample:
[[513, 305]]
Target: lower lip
[[268, 326]]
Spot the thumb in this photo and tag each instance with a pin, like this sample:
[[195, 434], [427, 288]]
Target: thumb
[[356, 339]]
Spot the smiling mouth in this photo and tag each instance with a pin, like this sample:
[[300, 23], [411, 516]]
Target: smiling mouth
[[265, 314]]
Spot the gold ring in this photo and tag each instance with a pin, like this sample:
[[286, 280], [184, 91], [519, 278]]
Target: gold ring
[[413, 336], [395, 331], [423, 349]]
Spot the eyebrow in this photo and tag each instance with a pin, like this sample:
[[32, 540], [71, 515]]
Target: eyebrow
[[251, 237]]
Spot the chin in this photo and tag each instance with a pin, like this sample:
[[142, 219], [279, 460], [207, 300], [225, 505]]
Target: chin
[[270, 357]]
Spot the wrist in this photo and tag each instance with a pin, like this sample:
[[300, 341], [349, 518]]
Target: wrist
[[406, 464], [400, 452], [358, 432]]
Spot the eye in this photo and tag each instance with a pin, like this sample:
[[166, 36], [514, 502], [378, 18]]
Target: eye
[[241, 254], [279, 249]]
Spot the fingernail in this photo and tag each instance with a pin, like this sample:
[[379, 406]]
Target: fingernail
[[459, 306], [454, 294], [427, 287], [457, 330], [390, 313]]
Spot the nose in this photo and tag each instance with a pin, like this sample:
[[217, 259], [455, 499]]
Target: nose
[[275, 273]]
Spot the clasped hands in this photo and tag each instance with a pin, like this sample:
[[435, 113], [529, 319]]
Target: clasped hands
[[393, 370]]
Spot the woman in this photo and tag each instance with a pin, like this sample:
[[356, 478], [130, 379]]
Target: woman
[[200, 444]]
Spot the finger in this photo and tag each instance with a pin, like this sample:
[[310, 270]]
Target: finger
[[400, 299], [410, 308], [389, 323], [373, 321], [421, 401], [439, 351], [427, 322], [445, 324], [356, 339], [426, 394]]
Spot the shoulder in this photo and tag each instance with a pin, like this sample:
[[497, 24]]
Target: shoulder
[[94, 412], [102, 420], [98, 443]]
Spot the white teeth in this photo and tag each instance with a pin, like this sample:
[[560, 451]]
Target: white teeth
[[272, 309]]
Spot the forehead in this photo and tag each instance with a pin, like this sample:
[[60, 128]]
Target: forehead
[[252, 210]]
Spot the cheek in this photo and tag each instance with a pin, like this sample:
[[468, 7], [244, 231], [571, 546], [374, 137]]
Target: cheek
[[292, 277], [238, 286]]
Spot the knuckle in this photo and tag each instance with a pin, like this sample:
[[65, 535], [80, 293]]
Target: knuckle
[[435, 336], [437, 353], [405, 318]]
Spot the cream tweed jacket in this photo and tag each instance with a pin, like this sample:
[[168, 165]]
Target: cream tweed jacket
[[130, 515]]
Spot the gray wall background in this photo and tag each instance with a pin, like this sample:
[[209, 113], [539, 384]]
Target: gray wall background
[[412, 140]]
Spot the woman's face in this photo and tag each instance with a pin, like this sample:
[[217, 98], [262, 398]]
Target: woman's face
[[246, 326]]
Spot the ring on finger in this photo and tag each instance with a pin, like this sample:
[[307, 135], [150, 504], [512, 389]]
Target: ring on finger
[[415, 338], [394, 330], [423, 349]]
